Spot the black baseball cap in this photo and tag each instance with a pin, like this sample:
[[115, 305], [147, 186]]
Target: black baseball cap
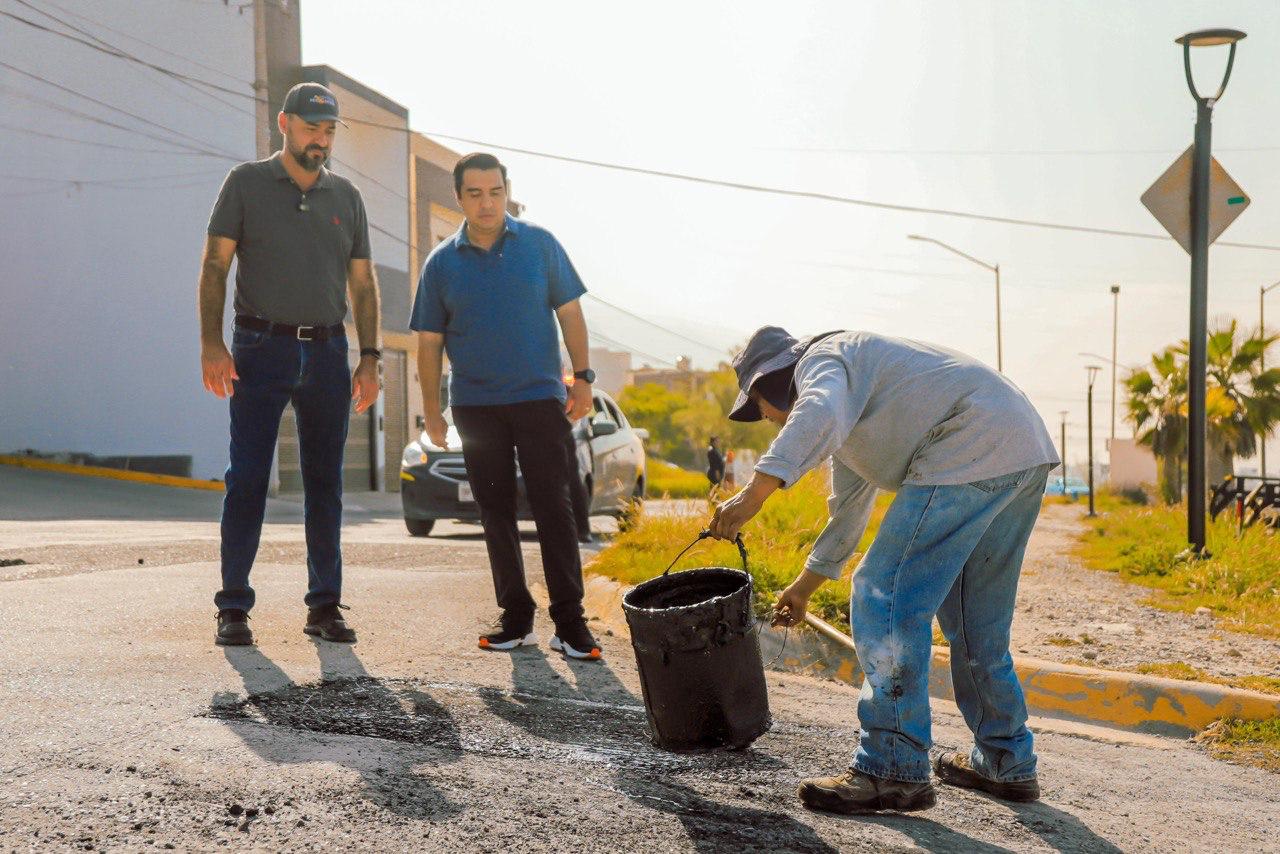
[[313, 103]]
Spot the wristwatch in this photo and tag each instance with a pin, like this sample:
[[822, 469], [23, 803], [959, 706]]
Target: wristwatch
[[371, 351], [588, 376]]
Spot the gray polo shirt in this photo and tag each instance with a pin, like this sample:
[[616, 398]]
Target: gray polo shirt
[[292, 264]]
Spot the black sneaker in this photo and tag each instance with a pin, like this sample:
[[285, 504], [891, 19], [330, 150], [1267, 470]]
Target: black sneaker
[[325, 622], [955, 769], [510, 633], [233, 628], [576, 642]]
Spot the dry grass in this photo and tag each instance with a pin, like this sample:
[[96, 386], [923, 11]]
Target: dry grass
[[1182, 670], [778, 541], [1240, 582], [1255, 743]]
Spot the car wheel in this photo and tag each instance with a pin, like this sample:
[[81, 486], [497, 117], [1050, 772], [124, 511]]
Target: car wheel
[[420, 527], [632, 509]]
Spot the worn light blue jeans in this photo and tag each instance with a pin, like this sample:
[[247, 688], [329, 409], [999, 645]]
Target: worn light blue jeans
[[953, 551]]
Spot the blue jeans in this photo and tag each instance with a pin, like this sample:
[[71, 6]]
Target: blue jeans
[[314, 376], [953, 551]]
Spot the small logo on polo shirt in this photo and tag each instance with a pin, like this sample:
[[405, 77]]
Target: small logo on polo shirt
[[336, 221]]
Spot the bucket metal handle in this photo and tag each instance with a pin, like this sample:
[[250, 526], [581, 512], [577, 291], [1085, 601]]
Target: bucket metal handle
[[737, 541]]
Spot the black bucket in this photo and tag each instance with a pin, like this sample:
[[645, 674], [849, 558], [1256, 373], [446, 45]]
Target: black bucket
[[699, 658]]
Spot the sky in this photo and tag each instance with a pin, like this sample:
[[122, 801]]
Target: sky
[[1055, 112]]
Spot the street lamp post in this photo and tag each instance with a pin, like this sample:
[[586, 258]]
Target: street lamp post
[[995, 268], [1063, 413], [1093, 375], [1196, 487], [1115, 326], [1262, 363]]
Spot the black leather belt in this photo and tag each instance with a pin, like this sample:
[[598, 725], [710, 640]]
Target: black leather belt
[[302, 333]]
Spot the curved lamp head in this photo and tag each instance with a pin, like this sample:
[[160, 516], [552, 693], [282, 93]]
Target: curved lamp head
[[1209, 38], [1093, 373]]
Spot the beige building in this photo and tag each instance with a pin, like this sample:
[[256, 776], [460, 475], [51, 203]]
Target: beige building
[[1132, 465]]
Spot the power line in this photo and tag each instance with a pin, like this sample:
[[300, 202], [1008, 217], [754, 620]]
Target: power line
[[848, 200], [995, 152], [114, 108], [678, 176], [97, 144], [116, 49], [121, 54], [206, 172], [656, 325], [613, 342], [131, 37]]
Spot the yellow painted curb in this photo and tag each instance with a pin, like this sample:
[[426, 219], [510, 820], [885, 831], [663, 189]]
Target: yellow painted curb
[[113, 474], [1132, 702]]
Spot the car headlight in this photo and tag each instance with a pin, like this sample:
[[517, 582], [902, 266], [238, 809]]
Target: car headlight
[[414, 455]]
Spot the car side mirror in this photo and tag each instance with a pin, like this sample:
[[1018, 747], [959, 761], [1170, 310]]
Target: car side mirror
[[603, 428], [642, 434]]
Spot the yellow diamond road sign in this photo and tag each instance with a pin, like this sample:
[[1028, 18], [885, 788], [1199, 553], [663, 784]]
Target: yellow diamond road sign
[[1169, 199]]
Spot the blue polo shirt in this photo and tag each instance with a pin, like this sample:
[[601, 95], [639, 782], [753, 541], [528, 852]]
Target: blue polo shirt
[[496, 309]]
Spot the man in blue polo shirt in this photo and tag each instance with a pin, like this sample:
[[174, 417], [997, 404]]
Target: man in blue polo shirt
[[490, 296]]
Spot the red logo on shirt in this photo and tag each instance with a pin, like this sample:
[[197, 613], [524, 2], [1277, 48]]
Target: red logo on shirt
[[336, 221]]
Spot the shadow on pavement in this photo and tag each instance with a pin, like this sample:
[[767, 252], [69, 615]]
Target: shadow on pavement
[[1060, 830], [719, 827], [415, 730], [929, 835]]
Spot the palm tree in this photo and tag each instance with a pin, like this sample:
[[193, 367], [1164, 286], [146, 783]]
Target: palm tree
[[1242, 402], [1157, 407]]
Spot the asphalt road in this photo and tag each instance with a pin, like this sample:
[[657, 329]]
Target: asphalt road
[[125, 728]]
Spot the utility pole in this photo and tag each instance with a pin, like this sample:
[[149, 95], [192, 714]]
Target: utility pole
[[1262, 364], [1093, 375], [1115, 326], [1063, 413]]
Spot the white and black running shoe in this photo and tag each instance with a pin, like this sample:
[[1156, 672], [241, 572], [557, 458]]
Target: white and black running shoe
[[508, 638], [577, 642]]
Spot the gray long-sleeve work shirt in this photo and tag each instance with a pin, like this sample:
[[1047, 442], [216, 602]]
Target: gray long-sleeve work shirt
[[891, 412]]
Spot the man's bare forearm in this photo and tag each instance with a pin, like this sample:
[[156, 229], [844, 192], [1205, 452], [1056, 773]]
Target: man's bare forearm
[[430, 367], [367, 309], [212, 297], [574, 328]]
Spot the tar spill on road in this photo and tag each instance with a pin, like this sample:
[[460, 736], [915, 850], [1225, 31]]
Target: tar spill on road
[[457, 718]]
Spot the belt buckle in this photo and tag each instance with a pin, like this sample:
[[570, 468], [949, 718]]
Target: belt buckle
[[309, 333]]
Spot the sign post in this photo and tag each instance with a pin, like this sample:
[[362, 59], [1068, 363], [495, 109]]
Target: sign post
[[1195, 230]]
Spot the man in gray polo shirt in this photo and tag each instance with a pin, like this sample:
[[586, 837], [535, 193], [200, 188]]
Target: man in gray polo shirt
[[967, 456], [301, 239]]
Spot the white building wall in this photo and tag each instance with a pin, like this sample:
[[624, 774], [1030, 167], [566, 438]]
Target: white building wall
[[99, 348]]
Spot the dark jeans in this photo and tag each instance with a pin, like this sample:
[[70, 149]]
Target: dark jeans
[[314, 376], [491, 437]]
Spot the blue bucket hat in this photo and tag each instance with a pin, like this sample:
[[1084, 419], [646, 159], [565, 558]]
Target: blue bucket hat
[[770, 349]]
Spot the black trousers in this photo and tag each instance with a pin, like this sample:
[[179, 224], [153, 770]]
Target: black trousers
[[577, 489], [491, 437]]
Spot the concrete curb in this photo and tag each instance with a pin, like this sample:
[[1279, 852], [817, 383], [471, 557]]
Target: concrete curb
[[1132, 702], [113, 474]]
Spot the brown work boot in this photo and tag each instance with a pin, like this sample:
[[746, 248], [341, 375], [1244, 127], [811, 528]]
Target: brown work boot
[[233, 628], [325, 621], [856, 792], [956, 770]]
